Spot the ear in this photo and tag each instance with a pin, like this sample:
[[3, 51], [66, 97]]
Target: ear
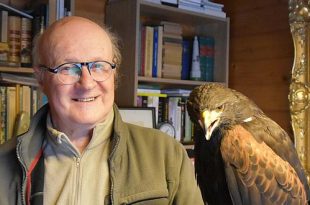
[[39, 74]]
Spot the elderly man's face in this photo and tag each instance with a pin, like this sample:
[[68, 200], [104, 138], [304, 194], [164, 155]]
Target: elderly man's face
[[86, 102]]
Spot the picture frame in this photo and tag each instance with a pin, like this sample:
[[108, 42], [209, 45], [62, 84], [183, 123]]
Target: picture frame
[[142, 116]]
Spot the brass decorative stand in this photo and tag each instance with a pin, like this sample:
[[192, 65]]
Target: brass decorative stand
[[299, 96]]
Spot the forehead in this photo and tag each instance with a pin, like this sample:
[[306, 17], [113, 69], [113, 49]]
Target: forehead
[[76, 40]]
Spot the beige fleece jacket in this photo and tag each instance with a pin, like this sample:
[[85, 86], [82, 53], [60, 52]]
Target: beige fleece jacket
[[75, 178]]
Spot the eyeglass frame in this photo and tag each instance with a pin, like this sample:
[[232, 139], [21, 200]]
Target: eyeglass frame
[[80, 65]]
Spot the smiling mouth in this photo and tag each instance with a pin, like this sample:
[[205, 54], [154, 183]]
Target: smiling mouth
[[85, 99]]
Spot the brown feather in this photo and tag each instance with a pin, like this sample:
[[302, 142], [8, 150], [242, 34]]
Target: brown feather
[[275, 179]]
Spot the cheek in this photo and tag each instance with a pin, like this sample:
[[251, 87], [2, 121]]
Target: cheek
[[107, 89]]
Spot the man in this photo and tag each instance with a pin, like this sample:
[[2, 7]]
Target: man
[[78, 150]]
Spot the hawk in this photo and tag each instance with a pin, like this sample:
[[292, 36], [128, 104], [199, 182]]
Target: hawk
[[241, 155]]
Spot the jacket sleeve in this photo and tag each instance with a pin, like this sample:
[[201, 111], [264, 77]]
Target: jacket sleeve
[[188, 191]]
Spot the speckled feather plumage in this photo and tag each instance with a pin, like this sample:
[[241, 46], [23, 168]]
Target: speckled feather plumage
[[257, 159]]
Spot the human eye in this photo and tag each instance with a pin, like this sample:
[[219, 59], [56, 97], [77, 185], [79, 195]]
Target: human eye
[[99, 67], [69, 69]]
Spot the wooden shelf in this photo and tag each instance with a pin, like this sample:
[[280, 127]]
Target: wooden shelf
[[141, 12], [170, 81], [16, 69]]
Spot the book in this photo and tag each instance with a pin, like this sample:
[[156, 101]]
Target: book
[[196, 7], [26, 100], [12, 78], [10, 111], [154, 1], [186, 60], [180, 92], [139, 49], [175, 115], [188, 128], [206, 57], [155, 52], [4, 53], [4, 26], [25, 42], [160, 53], [171, 27], [148, 58], [14, 36], [3, 112], [212, 5], [34, 100]]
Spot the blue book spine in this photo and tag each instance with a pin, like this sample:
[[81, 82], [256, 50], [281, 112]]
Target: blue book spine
[[155, 52], [185, 72]]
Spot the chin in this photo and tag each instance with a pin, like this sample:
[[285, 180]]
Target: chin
[[89, 118]]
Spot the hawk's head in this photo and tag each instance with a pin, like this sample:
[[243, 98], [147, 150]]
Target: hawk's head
[[213, 105]]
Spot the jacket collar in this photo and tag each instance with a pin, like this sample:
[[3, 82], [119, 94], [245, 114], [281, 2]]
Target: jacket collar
[[119, 137], [30, 143]]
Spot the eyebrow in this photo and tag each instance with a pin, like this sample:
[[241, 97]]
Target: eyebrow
[[71, 60]]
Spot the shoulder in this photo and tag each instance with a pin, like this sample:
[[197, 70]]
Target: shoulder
[[153, 140], [151, 135], [8, 149], [8, 158]]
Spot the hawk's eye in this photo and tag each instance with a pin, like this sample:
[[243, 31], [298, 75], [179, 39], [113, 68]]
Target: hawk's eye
[[220, 108]]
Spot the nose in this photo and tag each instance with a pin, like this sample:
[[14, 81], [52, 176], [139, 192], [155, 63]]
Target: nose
[[86, 80]]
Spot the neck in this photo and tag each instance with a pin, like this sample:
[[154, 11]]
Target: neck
[[79, 136]]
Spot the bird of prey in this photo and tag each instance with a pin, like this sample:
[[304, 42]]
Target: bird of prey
[[241, 155]]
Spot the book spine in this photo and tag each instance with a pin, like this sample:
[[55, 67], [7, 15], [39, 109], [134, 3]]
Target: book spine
[[14, 28], [10, 111], [139, 101], [185, 60], [175, 116], [155, 52], [188, 128], [144, 101], [206, 51], [161, 104], [3, 122], [142, 57], [26, 102], [4, 26], [148, 51], [160, 52], [182, 127], [34, 100], [152, 101], [25, 42]]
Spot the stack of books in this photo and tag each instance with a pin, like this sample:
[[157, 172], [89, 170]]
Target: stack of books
[[172, 50], [203, 6]]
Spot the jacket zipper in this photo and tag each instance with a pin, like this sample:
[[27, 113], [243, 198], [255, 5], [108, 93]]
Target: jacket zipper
[[110, 158], [77, 163], [24, 174]]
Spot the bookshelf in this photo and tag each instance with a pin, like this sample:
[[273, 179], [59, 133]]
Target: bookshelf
[[20, 70], [125, 18], [20, 96]]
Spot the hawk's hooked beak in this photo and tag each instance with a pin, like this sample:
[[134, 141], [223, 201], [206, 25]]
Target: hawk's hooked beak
[[209, 121]]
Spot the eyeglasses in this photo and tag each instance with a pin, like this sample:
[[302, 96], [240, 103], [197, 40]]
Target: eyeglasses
[[70, 73]]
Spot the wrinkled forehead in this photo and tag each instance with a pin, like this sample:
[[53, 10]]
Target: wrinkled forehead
[[79, 40]]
